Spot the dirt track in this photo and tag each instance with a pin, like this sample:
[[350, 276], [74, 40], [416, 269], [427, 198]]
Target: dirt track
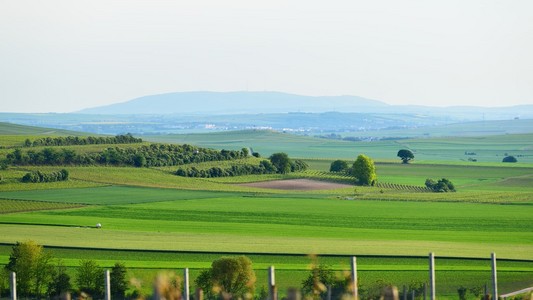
[[297, 184]]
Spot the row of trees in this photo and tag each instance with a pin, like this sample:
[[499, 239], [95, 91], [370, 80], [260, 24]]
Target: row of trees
[[38, 176], [264, 167], [38, 276], [153, 155], [76, 140], [277, 163]]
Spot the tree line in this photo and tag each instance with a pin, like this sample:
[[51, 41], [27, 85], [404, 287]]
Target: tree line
[[278, 163], [153, 155], [76, 140]]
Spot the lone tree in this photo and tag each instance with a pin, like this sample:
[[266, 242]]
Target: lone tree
[[230, 275], [281, 161], [60, 282], [364, 170], [509, 159], [33, 267], [89, 278], [406, 155], [338, 166], [118, 281]]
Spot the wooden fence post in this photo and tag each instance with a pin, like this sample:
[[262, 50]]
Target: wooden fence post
[[293, 294], [13, 285], [432, 276], [107, 285], [272, 284], [199, 294], [354, 278], [494, 277], [186, 291]]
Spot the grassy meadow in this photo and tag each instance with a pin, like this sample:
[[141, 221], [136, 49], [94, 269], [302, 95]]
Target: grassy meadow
[[152, 219]]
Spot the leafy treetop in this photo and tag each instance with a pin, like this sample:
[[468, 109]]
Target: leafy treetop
[[406, 155], [364, 170]]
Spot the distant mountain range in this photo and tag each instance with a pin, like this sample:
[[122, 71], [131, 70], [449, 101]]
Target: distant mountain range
[[328, 116], [226, 103], [235, 103]]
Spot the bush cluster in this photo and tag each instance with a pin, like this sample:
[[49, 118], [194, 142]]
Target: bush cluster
[[75, 140], [441, 186], [38, 176]]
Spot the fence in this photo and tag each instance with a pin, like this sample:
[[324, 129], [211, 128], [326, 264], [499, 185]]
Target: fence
[[294, 294]]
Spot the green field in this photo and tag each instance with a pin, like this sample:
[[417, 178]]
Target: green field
[[153, 219], [448, 149]]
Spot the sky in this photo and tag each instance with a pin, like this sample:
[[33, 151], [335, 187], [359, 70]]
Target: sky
[[66, 55]]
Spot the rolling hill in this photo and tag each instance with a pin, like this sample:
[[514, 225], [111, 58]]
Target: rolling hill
[[215, 103], [234, 103], [16, 129]]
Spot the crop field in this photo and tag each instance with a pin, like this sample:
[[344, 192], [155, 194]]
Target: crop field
[[152, 219], [286, 224]]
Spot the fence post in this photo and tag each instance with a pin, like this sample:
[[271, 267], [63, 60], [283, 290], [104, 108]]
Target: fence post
[[13, 285], [425, 290], [199, 294], [354, 278], [494, 276], [107, 285], [272, 284], [431, 276], [186, 291], [404, 293], [293, 294]]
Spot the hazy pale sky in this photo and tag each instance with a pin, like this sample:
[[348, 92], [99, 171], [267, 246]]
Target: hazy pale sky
[[65, 55]]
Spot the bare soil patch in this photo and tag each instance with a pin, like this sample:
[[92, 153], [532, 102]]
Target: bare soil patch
[[297, 184]]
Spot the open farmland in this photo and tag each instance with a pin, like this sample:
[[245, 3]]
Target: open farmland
[[153, 219], [281, 224], [442, 149]]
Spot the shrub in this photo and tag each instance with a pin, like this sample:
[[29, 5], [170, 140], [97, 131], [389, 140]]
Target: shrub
[[38, 176], [338, 166], [441, 186], [233, 276], [509, 159]]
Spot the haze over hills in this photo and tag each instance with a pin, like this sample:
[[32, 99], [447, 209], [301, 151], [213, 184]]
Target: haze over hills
[[235, 103], [216, 103], [349, 116]]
